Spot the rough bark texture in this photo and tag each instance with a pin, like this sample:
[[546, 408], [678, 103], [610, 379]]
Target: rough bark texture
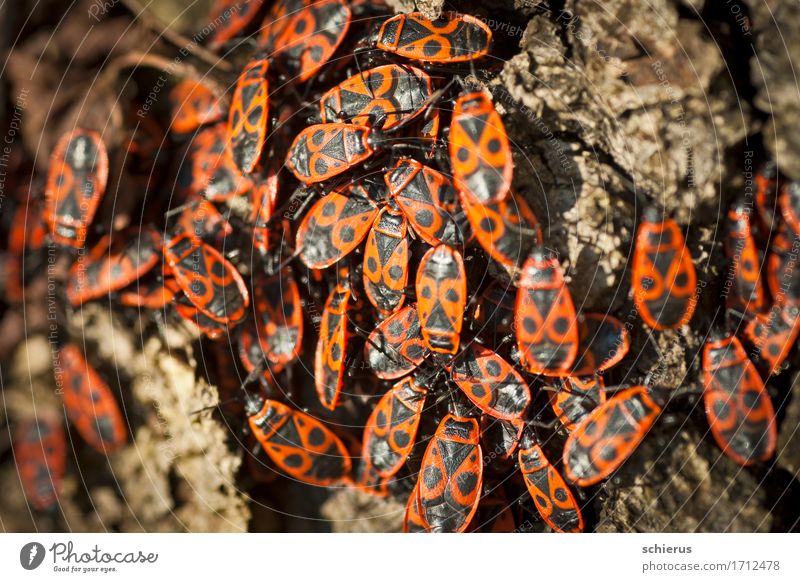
[[176, 475], [772, 73], [658, 96], [681, 482]]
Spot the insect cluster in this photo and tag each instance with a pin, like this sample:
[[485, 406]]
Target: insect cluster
[[358, 164]]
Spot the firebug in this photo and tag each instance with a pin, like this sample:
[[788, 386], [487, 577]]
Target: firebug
[[546, 326], [479, 150], [40, 452], [664, 278], [89, 403], [442, 298], [738, 406], [444, 40], [553, 499], [298, 444], [610, 434], [451, 475], [391, 430], [76, 182]]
